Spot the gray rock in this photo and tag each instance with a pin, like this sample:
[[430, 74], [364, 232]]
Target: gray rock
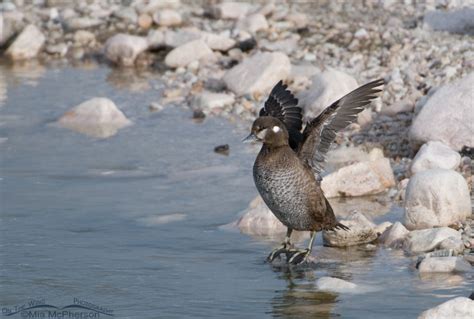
[[151, 6], [97, 117], [211, 100], [361, 231], [77, 23], [458, 21], [187, 53], [364, 178], [453, 244], [10, 24], [436, 197], [426, 240], [123, 49], [435, 155], [253, 23], [460, 307], [127, 14], [444, 264], [258, 73], [84, 38], [218, 42], [231, 10], [27, 45], [447, 116], [57, 49], [288, 45], [335, 285], [167, 18], [394, 236]]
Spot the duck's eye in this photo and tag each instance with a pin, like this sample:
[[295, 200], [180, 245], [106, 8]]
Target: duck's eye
[[276, 129]]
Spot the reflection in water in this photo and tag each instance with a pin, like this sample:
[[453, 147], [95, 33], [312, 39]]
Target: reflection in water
[[130, 79], [3, 87], [25, 72]]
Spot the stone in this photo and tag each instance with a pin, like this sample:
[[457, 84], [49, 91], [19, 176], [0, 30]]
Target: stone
[[447, 116], [167, 18], [218, 42], [258, 74], [123, 49], [253, 23], [459, 308], [97, 117], [145, 21], [394, 236], [182, 36], [456, 21], [187, 53], [426, 240], [361, 231], [231, 10], [127, 14], [209, 100], [299, 20], [10, 24], [151, 6], [156, 39], [288, 45], [84, 37], [27, 45], [452, 243], [77, 23], [435, 154], [404, 105], [382, 227], [436, 197], [359, 179], [335, 285], [444, 264], [57, 49], [326, 87]]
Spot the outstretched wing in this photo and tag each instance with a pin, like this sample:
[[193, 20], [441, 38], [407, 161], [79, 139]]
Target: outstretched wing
[[283, 105], [321, 131]]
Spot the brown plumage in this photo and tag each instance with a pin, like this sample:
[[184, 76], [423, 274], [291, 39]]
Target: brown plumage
[[288, 166]]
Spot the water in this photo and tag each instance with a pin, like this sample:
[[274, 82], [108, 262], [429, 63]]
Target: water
[[132, 223]]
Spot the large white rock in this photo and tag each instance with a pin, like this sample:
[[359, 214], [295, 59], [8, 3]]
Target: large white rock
[[253, 23], [457, 308], [425, 240], [364, 178], [258, 73], [444, 264], [361, 231], [326, 87], [436, 197], [123, 49], [259, 220], [187, 53], [97, 117], [447, 116], [11, 22], [27, 45], [231, 10], [435, 154], [167, 18], [394, 236]]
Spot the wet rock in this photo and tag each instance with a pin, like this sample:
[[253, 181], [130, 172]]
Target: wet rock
[[361, 231], [199, 115], [211, 100], [222, 149], [458, 21], [127, 14], [77, 23], [167, 18], [161, 220], [447, 116], [435, 155], [259, 220], [123, 49], [247, 44], [155, 107], [444, 264], [425, 240], [230, 10], [145, 21], [327, 87], [27, 45], [97, 117], [253, 23], [258, 74], [364, 178], [335, 285], [382, 227], [187, 53], [436, 197], [394, 236], [460, 307]]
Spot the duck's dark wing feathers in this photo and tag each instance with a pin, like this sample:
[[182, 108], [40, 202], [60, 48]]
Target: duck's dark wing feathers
[[321, 131], [283, 105]]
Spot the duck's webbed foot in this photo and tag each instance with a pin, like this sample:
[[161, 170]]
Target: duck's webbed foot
[[285, 246], [297, 256]]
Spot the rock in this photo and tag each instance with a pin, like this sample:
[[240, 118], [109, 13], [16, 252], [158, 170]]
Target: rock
[[97, 117], [27, 45], [151, 6], [187, 53], [425, 240], [444, 264], [58, 49], [258, 73], [327, 87], [405, 105], [288, 46], [77, 23], [123, 49], [167, 18], [182, 36], [435, 155], [156, 39], [447, 116], [231, 10], [299, 20], [218, 42], [222, 149], [335, 285], [84, 38], [452, 243], [364, 178], [382, 227], [211, 100], [458, 21], [160, 220], [459, 308], [436, 197], [10, 24], [127, 14], [394, 236], [145, 21], [253, 23], [361, 231], [260, 221]]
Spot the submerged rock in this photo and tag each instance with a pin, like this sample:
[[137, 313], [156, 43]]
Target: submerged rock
[[436, 197], [460, 308], [425, 240], [123, 49], [97, 117], [394, 236], [187, 53], [435, 155], [27, 45], [336, 285], [444, 264], [258, 73], [361, 231]]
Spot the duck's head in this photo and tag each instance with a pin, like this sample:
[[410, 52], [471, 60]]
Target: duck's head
[[269, 130]]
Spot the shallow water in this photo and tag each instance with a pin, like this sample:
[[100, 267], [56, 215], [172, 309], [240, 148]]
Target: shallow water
[[132, 223]]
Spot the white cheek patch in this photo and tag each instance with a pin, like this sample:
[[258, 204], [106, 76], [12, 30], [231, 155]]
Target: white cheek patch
[[276, 129], [261, 134]]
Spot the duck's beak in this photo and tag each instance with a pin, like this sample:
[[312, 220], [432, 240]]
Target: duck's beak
[[251, 138]]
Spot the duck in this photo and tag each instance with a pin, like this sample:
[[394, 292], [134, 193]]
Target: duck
[[287, 170]]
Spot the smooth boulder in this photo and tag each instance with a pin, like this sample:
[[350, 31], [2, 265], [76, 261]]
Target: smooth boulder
[[435, 154], [361, 231], [394, 236], [123, 49], [27, 45], [426, 240], [436, 197], [187, 53], [457, 308], [444, 264]]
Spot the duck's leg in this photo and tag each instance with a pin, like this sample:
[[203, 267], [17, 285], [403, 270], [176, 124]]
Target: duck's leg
[[283, 248], [297, 256]]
